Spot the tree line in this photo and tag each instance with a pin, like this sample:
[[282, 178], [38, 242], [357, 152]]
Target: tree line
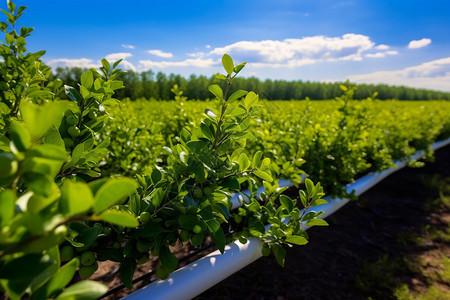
[[150, 85]]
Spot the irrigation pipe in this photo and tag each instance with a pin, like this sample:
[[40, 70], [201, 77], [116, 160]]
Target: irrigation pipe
[[194, 278]]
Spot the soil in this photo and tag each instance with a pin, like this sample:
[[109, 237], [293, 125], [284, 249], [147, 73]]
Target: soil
[[334, 265]]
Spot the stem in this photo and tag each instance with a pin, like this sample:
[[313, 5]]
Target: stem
[[81, 114], [222, 115]]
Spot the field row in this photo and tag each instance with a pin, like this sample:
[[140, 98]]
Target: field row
[[333, 141]]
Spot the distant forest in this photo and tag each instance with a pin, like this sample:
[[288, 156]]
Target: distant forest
[[157, 86]]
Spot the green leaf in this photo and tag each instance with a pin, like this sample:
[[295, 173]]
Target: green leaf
[[88, 236], [295, 239], [21, 9], [236, 95], [156, 176], [256, 159], [73, 94], [34, 264], [220, 77], [106, 65], [4, 143], [112, 192], [199, 170], [213, 225], [317, 222], [48, 151], [20, 135], [39, 118], [206, 131], [116, 84], [239, 67], [87, 79], [44, 159], [188, 221], [41, 184], [256, 227], [168, 259], [222, 209], [157, 197], [119, 217], [228, 64], [309, 186], [48, 273], [244, 162], [265, 163], [85, 93], [62, 277], [83, 290], [280, 254], [287, 202], [210, 113], [76, 198], [162, 273], [230, 183], [263, 175], [113, 254], [98, 83], [216, 90], [53, 137], [117, 63], [250, 99], [237, 111], [319, 202], [11, 6], [7, 206], [303, 197], [196, 146], [45, 242], [218, 237], [127, 268]]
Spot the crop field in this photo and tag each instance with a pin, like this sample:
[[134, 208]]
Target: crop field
[[87, 177], [333, 141]]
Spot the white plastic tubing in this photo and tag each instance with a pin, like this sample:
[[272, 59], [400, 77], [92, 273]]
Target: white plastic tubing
[[195, 278]]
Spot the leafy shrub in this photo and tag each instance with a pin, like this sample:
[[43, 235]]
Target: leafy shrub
[[60, 213]]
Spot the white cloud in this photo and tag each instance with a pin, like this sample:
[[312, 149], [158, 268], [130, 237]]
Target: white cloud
[[117, 56], [125, 64], [160, 53], [196, 54], [382, 47], [392, 52], [414, 44], [288, 53], [190, 62], [376, 55], [381, 54], [432, 75], [73, 62], [89, 63], [295, 52], [128, 46]]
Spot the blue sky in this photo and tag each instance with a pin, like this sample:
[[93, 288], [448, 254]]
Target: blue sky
[[374, 41]]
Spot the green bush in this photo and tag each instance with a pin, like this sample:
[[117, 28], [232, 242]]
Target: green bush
[[61, 212]]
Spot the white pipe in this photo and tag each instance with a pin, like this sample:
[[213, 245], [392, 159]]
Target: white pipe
[[194, 278]]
